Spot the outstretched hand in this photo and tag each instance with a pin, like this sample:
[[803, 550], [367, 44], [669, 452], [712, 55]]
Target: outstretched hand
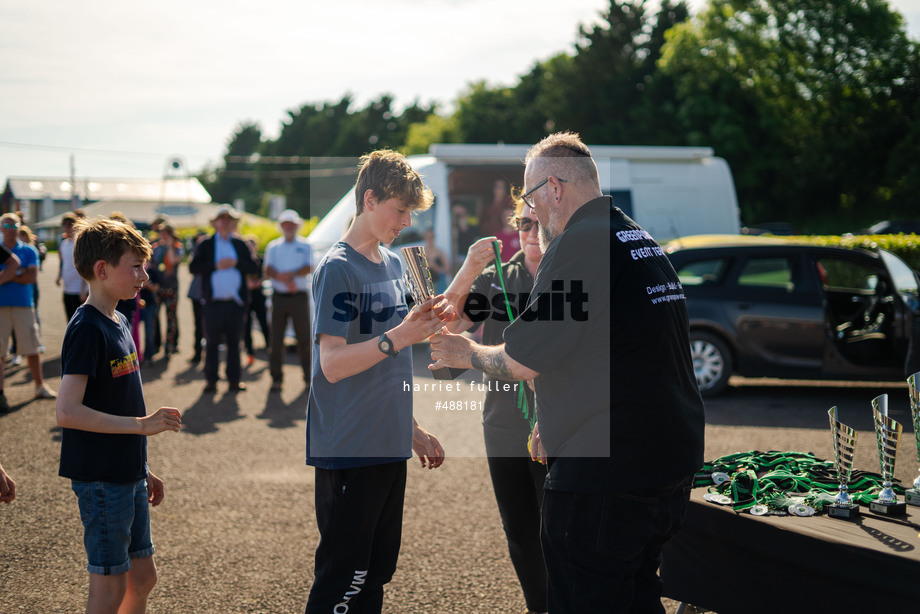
[[449, 350], [425, 319], [163, 419], [480, 255]]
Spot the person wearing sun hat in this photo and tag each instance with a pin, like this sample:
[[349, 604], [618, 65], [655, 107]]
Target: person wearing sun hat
[[288, 261], [223, 261]]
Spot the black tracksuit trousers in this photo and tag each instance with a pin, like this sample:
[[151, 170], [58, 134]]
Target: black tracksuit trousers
[[359, 516]]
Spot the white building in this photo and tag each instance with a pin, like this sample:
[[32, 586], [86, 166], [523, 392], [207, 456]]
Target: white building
[[44, 199]]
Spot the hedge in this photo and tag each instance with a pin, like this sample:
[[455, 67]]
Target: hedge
[[905, 247]]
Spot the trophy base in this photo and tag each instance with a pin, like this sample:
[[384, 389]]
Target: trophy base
[[447, 373], [912, 497], [897, 508], [844, 512]]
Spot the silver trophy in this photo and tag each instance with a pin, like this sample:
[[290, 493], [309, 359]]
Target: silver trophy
[[418, 279], [912, 495], [887, 436], [844, 450]]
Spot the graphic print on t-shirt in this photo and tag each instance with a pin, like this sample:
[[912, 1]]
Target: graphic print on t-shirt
[[125, 365], [661, 291]]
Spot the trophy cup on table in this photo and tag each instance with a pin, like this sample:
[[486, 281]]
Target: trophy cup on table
[[418, 278], [887, 436], [844, 449], [912, 495]]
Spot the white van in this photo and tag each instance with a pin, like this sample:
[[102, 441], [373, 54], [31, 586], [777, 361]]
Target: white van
[[669, 191]]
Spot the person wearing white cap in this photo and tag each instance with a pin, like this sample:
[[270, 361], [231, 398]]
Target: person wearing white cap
[[288, 261]]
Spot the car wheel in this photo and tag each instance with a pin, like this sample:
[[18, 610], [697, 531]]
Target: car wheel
[[712, 362]]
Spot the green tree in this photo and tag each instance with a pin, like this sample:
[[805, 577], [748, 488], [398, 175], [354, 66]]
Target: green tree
[[608, 89], [289, 165], [333, 130], [506, 114], [236, 178], [803, 98], [435, 129], [902, 178], [611, 91]]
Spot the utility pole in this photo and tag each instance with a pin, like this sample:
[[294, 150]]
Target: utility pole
[[73, 184], [175, 168]]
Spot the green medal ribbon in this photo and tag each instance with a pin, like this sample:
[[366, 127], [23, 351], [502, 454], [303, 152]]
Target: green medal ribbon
[[778, 479], [521, 397]]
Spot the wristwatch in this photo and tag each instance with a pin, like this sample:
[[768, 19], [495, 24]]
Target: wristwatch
[[386, 346]]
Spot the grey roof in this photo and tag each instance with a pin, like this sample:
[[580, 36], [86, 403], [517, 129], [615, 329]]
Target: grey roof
[[185, 190]]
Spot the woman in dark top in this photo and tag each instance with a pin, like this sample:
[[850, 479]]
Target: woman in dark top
[[508, 416]]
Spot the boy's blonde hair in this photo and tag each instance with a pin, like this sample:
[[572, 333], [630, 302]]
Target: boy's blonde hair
[[388, 174], [108, 240]]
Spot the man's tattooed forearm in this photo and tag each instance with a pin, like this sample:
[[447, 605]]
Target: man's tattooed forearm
[[492, 363]]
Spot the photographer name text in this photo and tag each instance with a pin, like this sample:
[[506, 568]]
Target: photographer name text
[[490, 386]]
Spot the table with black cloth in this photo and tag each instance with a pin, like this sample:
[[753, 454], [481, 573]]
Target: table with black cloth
[[736, 562]]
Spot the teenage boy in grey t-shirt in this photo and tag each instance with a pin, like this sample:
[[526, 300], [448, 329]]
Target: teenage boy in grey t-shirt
[[360, 429]]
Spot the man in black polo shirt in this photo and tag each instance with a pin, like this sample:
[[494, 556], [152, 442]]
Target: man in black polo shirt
[[619, 418]]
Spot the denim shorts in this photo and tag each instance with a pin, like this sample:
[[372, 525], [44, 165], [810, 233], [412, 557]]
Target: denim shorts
[[116, 524]]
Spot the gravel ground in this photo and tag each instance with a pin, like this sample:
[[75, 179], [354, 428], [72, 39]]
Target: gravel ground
[[237, 531]]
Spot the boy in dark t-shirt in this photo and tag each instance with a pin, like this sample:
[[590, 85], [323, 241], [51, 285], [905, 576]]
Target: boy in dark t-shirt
[[101, 408]]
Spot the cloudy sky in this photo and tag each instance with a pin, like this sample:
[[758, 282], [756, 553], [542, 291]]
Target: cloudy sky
[[122, 86]]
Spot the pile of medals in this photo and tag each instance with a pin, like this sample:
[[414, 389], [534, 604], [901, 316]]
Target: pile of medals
[[781, 483]]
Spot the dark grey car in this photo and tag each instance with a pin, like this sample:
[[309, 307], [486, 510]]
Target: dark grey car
[[770, 308]]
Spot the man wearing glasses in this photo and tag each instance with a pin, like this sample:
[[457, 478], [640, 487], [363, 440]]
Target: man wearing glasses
[[619, 418], [17, 312]]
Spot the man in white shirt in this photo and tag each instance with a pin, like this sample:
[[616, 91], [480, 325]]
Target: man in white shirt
[[75, 288], [288, 261]]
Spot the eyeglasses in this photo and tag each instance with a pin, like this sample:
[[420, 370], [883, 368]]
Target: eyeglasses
[[527, 196], [525, 224], [11, 226]]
